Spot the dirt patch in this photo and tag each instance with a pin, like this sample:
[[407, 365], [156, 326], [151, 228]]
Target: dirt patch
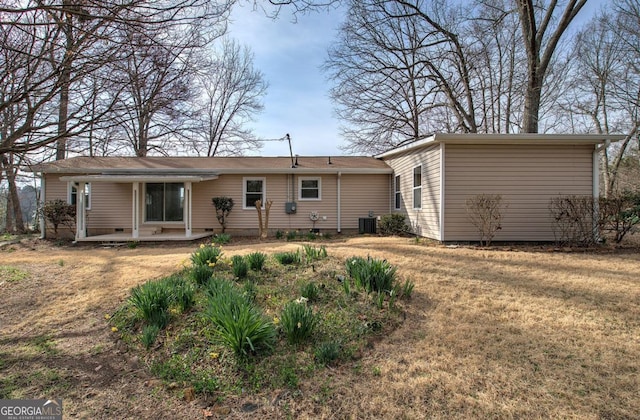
[[503, 332]]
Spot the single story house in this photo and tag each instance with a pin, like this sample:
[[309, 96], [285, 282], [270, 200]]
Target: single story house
[[428, 180]]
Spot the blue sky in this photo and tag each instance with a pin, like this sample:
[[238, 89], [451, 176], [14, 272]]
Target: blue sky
[[290, 56]]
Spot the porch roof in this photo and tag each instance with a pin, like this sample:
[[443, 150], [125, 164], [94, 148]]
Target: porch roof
[[124, 178], [211, 166]]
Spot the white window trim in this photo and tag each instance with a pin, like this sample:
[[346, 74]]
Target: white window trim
[[71, 186], [397, 190], [413, 191], [244, 191], [310, 178]]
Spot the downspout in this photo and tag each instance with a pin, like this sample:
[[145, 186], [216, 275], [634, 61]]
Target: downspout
[[442, 187], [43, 226], [135, 210], [339, 209], [187, 210]]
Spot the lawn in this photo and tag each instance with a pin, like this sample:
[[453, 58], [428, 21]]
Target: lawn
[[501, 332]]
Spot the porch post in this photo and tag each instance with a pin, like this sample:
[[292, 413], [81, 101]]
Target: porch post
[[135, 210], [81, 212], [187, 209]]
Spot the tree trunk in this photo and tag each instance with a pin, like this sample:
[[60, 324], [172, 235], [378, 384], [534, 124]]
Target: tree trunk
[[14, 210], [65, 80], [538, 59]]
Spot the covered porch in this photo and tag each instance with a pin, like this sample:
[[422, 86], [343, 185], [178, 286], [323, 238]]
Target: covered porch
[[160, 209], [145, 237]]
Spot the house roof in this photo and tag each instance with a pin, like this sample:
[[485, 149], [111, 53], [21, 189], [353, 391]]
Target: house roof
[[510, 139], [213, 166]]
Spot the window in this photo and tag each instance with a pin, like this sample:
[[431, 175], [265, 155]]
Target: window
[[417, 187], [254, 189], [73, 195], [309, 189], [397, 194], [164, 202]]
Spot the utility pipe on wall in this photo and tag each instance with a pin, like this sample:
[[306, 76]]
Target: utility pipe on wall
[[339, 222]]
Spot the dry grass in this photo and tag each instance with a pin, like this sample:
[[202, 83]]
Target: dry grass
[[499, 333]]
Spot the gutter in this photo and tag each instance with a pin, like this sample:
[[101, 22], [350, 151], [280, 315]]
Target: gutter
[[339, 209], [43, 225]]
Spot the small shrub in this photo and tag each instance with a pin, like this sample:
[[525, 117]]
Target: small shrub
[[279, 234], [207, 255], [288, 258], [152, 300], [149, 335], [573, 220], [313, 253], [256, 260], [298, 321], [309, 291], [240, 266], [393, 224], [239, 324], [371, 274], [327, 352], [620, 214], [221, 239], [58, 212], [223, 206], [486, 211], [201, 274]]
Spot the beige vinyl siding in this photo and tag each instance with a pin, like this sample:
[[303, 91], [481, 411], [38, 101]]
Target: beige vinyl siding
[[110, 206], [362, 194], [55, 189], [527, 177], [110, 203], [426, 221]]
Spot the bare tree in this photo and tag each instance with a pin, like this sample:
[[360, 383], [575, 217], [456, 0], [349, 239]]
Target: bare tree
[[540, 42], [231, 90], [154, 80], [402, 71], [606, 84], [55, 44]]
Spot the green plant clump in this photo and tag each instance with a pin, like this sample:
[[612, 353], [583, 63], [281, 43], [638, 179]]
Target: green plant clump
[[207, 255], [182, 292], [222, 239], [372, 274], [149, 335], [239, 266], [201, 274], [239, 325], [327, 352], [298, 321], [152, 300], [310, 291], [287, 258], [256, 260], [313, 253], [12, 274]]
